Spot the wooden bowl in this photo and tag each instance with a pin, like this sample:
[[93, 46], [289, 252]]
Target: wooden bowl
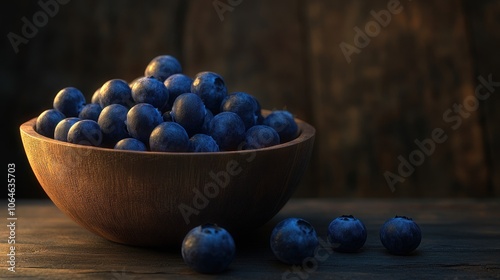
[[155, 198]]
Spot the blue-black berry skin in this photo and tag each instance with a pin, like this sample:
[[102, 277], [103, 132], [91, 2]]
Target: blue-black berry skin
[[141, 119], [163, 66], [293, 240], [284, 123], [211, 88], [62, 128], [400, 235], [112, 121], [228, 130], [189, 111], [130, 144], [261, 136], [47, 121], [150, 90], [90, 111], [114, 91], [69, 101], [169, 137], [347, 233], [208, 249], [85, 132]]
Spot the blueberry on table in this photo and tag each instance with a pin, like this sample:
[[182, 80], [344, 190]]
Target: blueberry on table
[[69, 101], [244, 105], [47, 121], [208, 249], [131, 144], [400, 235], [211, 88], [112, 121], [169, 137], [62, 128], [188, 110], [162, 67], [347, 233], [293, 240], [228, 130], [261, 136], [284, 123], [177, 84], [150, 90], [142, 118], [116, 91], [90, 111], [203, 143], [85, 132]]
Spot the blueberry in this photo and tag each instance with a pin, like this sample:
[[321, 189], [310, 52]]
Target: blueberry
[[90, 111], [169, 137], [205, 128], [116, 91], [188, 110], [47, 121], [112, 121], [96, 97], [228, 130], [208, 249], [62, 128], [177, 84], [162, 67], [150, 90], [244, 105], [261, 136], [293, 240], [347, 233], [167, 116], [258, 111], [400, 235], [284, 123], [131, 144], [203, 143], [69, 101], [211, 88], [85, 132], [141, 120]]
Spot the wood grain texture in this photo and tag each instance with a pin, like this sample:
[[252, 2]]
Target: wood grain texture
[[392, 93], [485, 40], [460, 240], [366, 112], [155, 198]]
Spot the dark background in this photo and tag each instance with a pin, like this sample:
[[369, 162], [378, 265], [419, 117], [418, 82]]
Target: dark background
[[287, 53]]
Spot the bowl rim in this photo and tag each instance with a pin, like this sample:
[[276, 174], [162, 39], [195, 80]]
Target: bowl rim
[[306, 131]]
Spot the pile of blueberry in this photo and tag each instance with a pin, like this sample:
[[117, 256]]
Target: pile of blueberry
[[166, 111], [210, 248]]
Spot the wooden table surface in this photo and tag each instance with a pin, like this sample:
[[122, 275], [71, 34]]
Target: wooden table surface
[[461, 240]]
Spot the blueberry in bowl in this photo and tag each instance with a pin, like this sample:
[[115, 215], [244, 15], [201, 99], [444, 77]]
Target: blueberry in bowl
[[139, 178]]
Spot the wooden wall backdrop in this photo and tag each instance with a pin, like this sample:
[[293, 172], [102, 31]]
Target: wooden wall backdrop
[[287, 53]]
